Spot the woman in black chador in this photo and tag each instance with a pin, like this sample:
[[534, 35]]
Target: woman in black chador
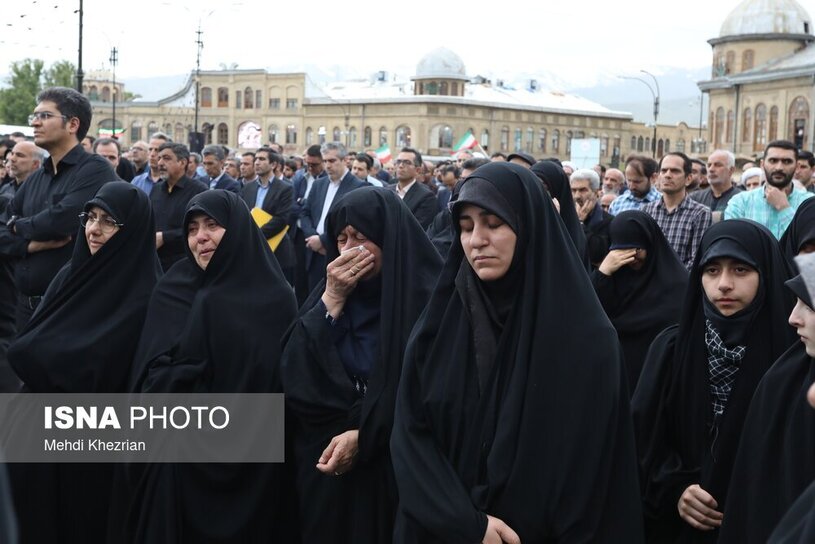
[[82, 339], [776, 455], [640, 285], [698, 379], [213, 326], [512, 419], [342, 362]]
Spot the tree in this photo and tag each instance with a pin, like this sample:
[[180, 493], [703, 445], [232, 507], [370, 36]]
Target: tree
[[60, 74], [20, 98]]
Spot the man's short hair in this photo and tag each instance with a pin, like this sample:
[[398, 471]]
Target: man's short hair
[[701, 163], [731, 158], [362, 157], [451, 168], [782, 144], [195, 157], [160, 136], [334, 146], [645, 166], [249, 153], [496, 154], [687, 164], [807, 156], [291, 163], [70, 103], [216, 150], [474, 163], [417, 157], [17, 134], [314, 151], [274, 158], [586, 174], [107, 141], [180, 151]]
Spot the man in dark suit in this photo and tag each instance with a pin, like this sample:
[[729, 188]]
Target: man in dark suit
[[274, 196], [302, 185], [323, 193], [416, 195], [214, 166]]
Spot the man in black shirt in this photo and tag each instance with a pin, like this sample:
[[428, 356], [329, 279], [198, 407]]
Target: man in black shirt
[[44, 210], [169, 199]]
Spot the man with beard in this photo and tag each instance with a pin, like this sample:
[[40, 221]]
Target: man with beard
[[585, 185], [720, 167], [773, 207], [640, 174]]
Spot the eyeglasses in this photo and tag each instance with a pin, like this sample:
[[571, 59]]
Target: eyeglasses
[[43, 116], [403, 162], [107, 224]]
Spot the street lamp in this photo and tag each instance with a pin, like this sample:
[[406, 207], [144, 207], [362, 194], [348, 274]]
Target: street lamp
[[114, 58], [655, 95]]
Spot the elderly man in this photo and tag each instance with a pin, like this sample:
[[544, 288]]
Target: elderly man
[[613, 182], [150, 177], [21, 162], [773, 207], [138, 156], [720, 167], [585, 185]]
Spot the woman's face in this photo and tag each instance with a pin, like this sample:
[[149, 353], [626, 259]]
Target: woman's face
[[729, 285], [203, 236], [488, 242], [350, 238], [99, 228], [803, 319]]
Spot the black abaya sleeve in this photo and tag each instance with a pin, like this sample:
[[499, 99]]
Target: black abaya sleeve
[[798, 525], [450, 514]]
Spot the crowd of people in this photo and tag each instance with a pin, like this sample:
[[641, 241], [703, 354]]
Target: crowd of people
[[492, 349]]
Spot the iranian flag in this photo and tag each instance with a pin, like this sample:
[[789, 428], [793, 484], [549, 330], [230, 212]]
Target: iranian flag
[[384, 154], [467, 141]]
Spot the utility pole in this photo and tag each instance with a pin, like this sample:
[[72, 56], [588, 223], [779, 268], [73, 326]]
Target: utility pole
[[113, 60], [80, 75], [198, 140]]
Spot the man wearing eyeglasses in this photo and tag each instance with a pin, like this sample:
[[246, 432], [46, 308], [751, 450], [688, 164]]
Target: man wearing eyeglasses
[[43, 211], [417, 197]]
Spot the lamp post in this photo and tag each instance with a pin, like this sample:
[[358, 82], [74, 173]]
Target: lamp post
[[114, 57], [655, 95], [80, 75]]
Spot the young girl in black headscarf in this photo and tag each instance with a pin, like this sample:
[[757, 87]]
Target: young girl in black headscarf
[[697, 382], [776, 455], [800, 234], [342, 363], [640, 285], [82, 339], [213, 326], [512, 420]]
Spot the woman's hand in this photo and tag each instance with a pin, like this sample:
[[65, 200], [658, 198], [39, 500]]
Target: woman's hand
[[698, 508], [499, 532], [616, 259], [338, 457], [342, 275]]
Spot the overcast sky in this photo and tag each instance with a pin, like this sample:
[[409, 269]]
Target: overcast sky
[[579, 40]]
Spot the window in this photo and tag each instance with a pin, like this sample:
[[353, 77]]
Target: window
[[799, 118], [517, 140], [223, 97], [238, 99], [152, 128], [321, 135], [309, 136], [604, 146], [640, 144], [718, 131], [432, 88], [291, 134], [336, 135], [746, 122], [135, 131], [178, 135], [274, 134], [504, 138], [731, 122], [93, 93], [291, 103], [542, 140], [446, 137], [747, 59], [366, 139], [443, 88], [248, 95], [556, 141], [352, 134], [274, 103], [633, 143], [105, 94], [206, 97], [760, 129], [680, 145], [258, 101], [223, 134], [383, 136], [530, 138], [455, 88], [403, 137], [569, 137], [648, 143], [773, 123], [731, 60], [485, 139]]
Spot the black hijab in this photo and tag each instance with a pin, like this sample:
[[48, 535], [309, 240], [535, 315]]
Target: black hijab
[[776, 456], [464, 447], [800, 231], [641, 303], [84, 334], [319, 393], [214, 331], [679, 443], [798, 525], [558, 186]]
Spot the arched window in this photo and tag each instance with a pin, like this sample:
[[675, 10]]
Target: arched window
[[660, 147], [504, 138], [773, 123], [223, 97], [569, 138], [633, 143], [760, 129], [366, 138], [604, 146], [542, 140], [640, 143], [309, 136], [93, 93], [530, 139], [731, 60], [799, 119], [352, 134], [321, 135], [248, 102], [105, 94], [206, 128], [718, 131], [403, 136], [274, 134], [680, 145], [383, 136], [238, 99], [223, 134], [443, 89], [152, 128], [258, 99], [206, 97], [336, 135], [556, 141], [446, 137], [667, 145], [291, 134], [747, 59], [648, 144], [135, 131], [729, 136], [455, 88], [517, 140], [746, 124], [485, 139], [178, 135]]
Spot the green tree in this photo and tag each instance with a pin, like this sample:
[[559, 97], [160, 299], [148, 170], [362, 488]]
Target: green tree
[[60, 74], [20, 98]]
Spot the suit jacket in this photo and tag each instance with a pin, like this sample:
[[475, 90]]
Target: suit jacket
[[228, 183], [313, 208], [299, 184], [277, 203], [422, 203]]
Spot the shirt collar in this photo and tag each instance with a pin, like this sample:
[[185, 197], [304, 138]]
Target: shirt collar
[[72, 157], [403, 192]]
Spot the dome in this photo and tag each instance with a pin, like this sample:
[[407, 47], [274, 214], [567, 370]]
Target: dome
[[767, 17], [441, 63]]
